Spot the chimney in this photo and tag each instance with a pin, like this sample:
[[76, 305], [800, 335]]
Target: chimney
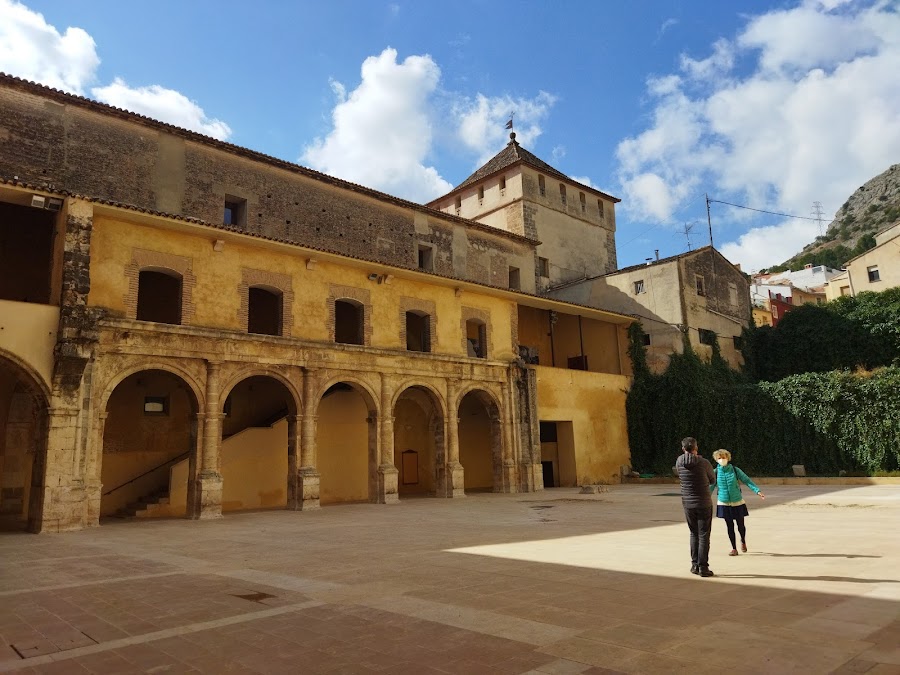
[[657, 254], [737, 266]]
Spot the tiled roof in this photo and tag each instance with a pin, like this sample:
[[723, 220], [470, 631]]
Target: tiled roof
[[103, 108], [512, 154]]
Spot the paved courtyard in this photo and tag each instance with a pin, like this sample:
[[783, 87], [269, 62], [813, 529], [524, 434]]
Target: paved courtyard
[[555, 582]]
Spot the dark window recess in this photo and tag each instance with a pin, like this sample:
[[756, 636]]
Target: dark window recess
[[348, 322], [600, 207], [639, 287], [583, 202], [544, 268], [707, 337], [502, 185], [701, 285], [476, 339], [235, 211], [547, 470], [480, 195], [562, 193], [458, 205], [426, 258], [873, 274], [263, 312], [156, 405], [542, 186], [26, 253], [646, 339], [738, 342], [417, 333], [514, 280], [578, 362], [548, 432], [159, 297]]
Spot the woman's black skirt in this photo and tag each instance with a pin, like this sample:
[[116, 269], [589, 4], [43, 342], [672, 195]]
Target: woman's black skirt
[[732, 512]]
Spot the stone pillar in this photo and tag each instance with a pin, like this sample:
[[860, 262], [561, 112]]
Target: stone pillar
[[60, 504], [509, 472], [307, 480], [207, 494], [93, 463], [524, 396], [387, 481], [451, 475]]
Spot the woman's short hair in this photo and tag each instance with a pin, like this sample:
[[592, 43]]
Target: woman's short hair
[[722, 454]]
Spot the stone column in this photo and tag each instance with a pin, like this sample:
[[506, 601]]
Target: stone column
[[387, 481], [93, 459], [60, 504], [207, 503], [509, 478], [451, 475], [307, 485]]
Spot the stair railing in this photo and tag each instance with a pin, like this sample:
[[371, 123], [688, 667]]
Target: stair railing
[[170, 462]]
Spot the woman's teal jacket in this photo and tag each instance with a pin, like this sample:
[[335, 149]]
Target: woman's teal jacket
[[728, 480]]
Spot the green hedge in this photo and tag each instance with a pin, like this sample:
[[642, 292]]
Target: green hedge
[[826, 421]]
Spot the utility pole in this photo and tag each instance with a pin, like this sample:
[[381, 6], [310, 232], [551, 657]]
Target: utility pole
[[709, 221], [817, 213]]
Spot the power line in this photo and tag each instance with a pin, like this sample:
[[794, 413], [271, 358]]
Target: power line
[[664, 222], [774, 213]]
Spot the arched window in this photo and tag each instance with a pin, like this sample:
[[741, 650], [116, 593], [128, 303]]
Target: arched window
[[476, 339], [542, 187], [264, 311], [348, 322], [562, 193], [159, 296], [418, 335]]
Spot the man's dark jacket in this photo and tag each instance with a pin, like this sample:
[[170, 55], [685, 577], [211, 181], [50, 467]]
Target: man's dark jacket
[[696, 475]]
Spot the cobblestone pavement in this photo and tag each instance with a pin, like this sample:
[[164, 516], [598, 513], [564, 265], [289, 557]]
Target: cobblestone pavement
[[553, 582]]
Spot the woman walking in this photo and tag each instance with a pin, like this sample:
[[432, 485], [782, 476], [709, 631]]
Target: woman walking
[[730, 505]]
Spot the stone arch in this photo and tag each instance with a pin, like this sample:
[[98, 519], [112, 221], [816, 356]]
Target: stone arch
[[437, 393], [481, 439], [24, 428], [147, 435], [419, 416], [257, 371], [348, 414]]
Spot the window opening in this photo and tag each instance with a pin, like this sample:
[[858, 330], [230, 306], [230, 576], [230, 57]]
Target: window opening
[[600, 208], [417, 332], [458, 205], [502, 185], [732, 293], [480, 195], [646, 339], [639, 287], [26, 253], [873, 274], [159, 297], [514, 282], [701, 285], [426, 258], [476, 339], [348, 322], [562, 193], [583, 202], [235, 211], [263, 312], [707, 337], [156, 405], [544, 268], [542, 187]]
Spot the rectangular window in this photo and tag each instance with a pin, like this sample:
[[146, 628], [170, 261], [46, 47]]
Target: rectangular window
[[502, 185], [514, 278], [600, 207], [426, 258], [480, 195], [646, 339], [873, 274], [639, 287], [548, 432], [544, 268], [583, 202], [701, 284], [732, 293], [458, 205], [235, 211], [707, 337], [738, 342], [562, 193], [542, 187], [156, 405]]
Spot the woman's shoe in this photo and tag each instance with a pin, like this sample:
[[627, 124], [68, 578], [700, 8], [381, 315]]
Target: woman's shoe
[[744, 546], [734, 551]]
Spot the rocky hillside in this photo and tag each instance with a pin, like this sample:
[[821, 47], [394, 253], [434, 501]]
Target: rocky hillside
[[871, 208]]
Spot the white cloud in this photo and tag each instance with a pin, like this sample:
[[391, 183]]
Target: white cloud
[[481, 121], [163, 104], [666, 25], [33, 49], [812, 118], [584, 180], [558, 152], [382, 130]]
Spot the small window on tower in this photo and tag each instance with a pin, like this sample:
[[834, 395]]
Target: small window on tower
[[544, 268], [600, 208], [514, 278], [562, 193], [480, 195], [542, 187], [701, 284], [502, 185], [235, 211], [458, 205], [583, 202], [426, 258]]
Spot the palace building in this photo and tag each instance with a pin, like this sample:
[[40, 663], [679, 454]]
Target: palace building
[[189, 328]]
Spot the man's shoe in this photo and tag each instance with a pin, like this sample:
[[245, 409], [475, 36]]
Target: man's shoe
[[695, 569], [707, 573]]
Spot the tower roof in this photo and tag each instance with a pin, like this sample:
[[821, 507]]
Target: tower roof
[[514, 154]]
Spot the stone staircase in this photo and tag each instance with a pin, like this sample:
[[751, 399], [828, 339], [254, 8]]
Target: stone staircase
[[146, 506]]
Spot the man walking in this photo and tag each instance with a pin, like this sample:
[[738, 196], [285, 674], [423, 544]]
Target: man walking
[[696, 475]]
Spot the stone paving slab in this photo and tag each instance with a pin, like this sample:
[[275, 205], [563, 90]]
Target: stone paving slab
[[553, 582]]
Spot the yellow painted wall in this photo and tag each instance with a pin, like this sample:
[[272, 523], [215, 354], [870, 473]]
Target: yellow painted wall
[[475, 444], [28, 331], [254, 468], [218, 275], [342, 439], [595, 405]]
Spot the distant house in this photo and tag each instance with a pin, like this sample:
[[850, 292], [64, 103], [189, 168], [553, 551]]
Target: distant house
[[875, 270], [700, 292]]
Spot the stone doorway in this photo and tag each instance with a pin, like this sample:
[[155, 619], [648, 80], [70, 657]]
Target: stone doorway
[[480, 442], [418, 441]]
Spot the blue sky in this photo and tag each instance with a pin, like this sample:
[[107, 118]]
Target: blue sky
[[773, 105]]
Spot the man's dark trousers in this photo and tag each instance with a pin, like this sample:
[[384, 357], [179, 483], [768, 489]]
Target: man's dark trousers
[[699, 521]]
